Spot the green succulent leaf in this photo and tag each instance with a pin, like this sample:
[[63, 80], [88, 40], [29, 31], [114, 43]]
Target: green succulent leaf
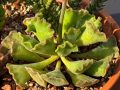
[[19, 52], [90, 35], [77, 19], [72, 35], [78, 66], [66, 48], [19, 73], [81, 80], [55, 78], [45, 49], [16, 37], [2, 17], [36, 76], [20, 46], [99, 68], [102, 51], [39, 27], [85, 24]]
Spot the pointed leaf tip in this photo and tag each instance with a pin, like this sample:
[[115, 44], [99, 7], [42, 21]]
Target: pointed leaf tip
[[81, 80], [45, 49], [55, 78], [39, 27], [36, 76], [103, 50], [100, 68], [20, 46], [66, 48], [85, 24], [78, 66], [90, 35], [19, 73]]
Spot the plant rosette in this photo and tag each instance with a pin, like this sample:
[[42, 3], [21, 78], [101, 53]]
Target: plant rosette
[[61, 41]]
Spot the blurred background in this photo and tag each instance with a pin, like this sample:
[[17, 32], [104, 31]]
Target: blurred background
[[113, 7]]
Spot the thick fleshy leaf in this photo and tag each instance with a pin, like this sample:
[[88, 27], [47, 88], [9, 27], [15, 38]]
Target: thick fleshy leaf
[[20, 46], [77, 19], [66, 48], [78, 66], [102, 51], [39, 27], [55, 78], [81, 80], [87, 26], [36, 76], [72, 35], [2, 17], [99, 68], [45, 49], [19, 52], [19, 73], [90, 35], [17, 37]]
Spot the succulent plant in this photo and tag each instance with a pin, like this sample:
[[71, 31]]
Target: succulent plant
[[74, 29], [78, 66], [19, 73], [55, 77], [36, 76], [81, 80]]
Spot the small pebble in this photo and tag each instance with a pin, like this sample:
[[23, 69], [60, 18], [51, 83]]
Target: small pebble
[[6, 87], [31, 84]]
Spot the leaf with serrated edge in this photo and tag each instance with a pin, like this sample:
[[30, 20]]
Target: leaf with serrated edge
[[90, 35], [55, 78], [72, 35], [20, 46], [86, 25], [99, 68], [102, 51], [16, 37], [78, 66], [45, 49], [19, 73], [81, 80], [19, 52], [36, 76], [77, 19], [39, 27], [66, 48]]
